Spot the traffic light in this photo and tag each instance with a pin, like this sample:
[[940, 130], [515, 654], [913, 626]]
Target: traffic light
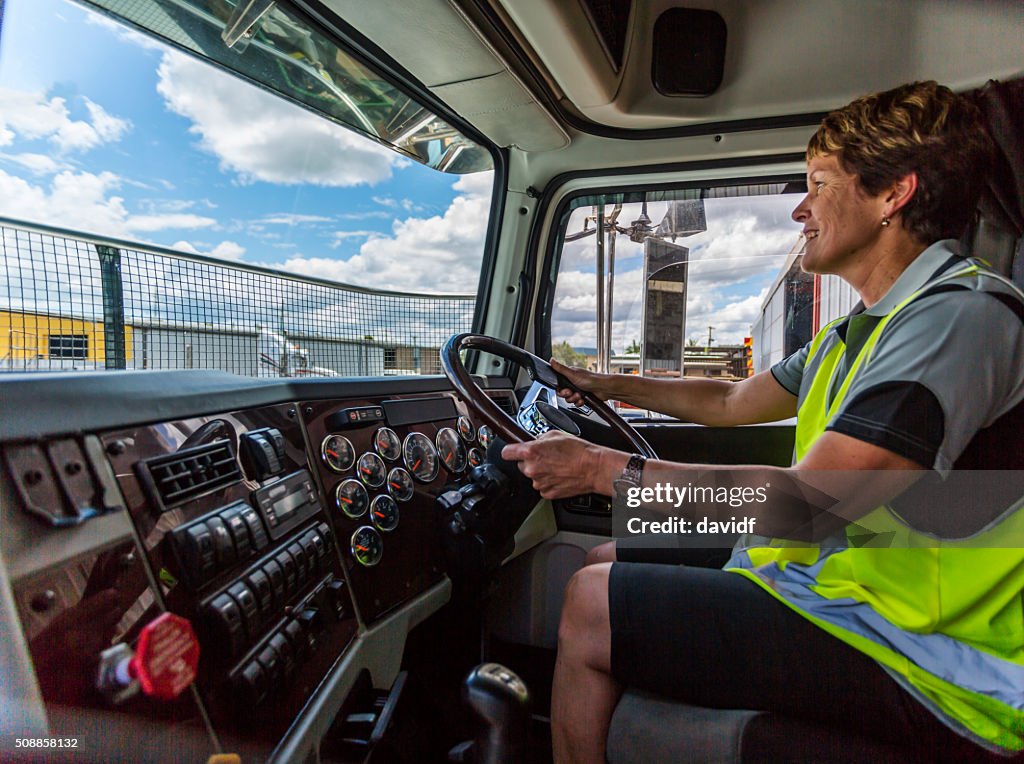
[[748, 355]]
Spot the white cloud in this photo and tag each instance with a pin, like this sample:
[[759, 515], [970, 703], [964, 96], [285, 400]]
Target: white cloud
[[148, 223], [37, 164], [33, 116], [289, 218], [87, 202], [439, 254], [122, 31], [369, 214], [341, 236], [226, 250], [393, 204], [263, 138]]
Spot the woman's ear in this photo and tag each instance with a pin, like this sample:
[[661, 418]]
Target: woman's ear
[[900, 193]]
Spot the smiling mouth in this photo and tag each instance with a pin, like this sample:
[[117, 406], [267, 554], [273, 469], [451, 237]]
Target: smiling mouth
[[810, 235]]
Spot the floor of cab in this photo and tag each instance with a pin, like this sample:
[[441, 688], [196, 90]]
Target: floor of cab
[[431, 717]]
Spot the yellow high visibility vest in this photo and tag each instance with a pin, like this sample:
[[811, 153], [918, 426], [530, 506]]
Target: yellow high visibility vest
[[944, 617]]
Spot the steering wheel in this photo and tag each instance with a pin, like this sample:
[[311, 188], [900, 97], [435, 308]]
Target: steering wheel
[[540, 371]]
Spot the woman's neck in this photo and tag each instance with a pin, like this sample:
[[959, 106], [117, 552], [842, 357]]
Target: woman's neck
[[873, 275]]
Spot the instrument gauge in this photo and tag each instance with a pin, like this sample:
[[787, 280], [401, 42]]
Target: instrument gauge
[[367, 546], [476, 457], [387, 444], [384, 513], [371, 470], [337, 453], [420, 457], [352, 498], [485, 436], [400, 484], [451, 449], [466, 429]]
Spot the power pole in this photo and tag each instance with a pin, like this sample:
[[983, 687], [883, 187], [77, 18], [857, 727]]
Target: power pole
[[710, 329]]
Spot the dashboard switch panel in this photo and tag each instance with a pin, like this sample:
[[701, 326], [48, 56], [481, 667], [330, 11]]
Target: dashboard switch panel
[[216, 541]]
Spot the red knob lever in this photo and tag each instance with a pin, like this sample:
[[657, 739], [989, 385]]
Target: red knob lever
[[166, 657]]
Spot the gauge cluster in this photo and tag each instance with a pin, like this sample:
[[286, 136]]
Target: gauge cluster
[[383, 463]]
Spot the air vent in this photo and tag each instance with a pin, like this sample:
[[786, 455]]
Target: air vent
[[506, 402], [193, 472]]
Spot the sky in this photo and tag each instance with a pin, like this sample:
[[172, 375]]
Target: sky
[[104, 130]]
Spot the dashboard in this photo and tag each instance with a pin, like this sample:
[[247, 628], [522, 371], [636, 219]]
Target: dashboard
[[275, 531]]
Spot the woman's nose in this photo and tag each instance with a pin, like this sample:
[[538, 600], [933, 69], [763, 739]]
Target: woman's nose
[[802, 211]]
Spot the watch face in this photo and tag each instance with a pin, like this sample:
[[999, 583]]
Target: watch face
[[634, 469]]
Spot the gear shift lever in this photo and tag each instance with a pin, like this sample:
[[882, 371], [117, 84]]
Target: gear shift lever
[[501, 703]]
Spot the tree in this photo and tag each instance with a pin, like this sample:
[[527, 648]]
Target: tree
[[633, 347], [565, 353]]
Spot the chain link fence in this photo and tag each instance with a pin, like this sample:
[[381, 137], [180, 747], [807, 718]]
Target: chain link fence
[[74, 301]]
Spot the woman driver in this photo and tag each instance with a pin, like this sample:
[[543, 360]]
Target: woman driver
[[921, 642]]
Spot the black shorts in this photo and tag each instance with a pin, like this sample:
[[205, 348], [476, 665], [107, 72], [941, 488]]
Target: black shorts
[[667, 549], [715, 639]]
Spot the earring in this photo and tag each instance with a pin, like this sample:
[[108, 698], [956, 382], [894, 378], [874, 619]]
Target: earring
[[885, 222]]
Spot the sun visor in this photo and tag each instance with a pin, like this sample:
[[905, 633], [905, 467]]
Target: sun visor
[[500, 108]]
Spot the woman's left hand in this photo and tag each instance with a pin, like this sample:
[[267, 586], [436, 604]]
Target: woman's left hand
[[561, 465]]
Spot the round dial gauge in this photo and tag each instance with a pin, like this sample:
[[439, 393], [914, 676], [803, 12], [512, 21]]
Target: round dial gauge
[[466, 429], [351, 497], [337, 452], [451, 449], [420, 457], [476, 457], [384, 513], [485, 435], [400, 484], [387, 444], [367, 546], [371, 470]]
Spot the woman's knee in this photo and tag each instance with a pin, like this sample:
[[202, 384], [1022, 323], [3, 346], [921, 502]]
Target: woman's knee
[[601, 553], [585, 606], [584, 632]]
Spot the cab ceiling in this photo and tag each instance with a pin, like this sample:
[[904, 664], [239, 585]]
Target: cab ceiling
[[523, 71]]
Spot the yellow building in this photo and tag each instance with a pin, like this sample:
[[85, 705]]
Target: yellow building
[[40, 341]]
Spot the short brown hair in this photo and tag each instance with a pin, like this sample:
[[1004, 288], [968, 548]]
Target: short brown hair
[[922, 127]]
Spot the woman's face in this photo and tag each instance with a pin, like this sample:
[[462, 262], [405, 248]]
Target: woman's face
[[841, 220]]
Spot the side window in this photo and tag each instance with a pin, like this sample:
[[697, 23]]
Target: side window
[[695, 283]]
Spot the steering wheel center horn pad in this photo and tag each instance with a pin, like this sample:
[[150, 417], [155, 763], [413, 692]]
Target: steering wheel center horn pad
[[541, 417], [546, 381]]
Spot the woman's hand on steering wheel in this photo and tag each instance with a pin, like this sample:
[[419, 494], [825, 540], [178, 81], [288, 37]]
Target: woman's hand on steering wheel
[[584, 380], [561, 465]]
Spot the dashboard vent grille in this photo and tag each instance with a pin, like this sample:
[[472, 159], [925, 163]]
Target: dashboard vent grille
[[193, 472], [506, 402]]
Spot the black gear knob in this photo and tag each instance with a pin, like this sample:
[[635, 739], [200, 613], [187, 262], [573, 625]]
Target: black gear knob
[[501, 701]]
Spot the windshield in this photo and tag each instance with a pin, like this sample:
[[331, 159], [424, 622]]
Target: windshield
[[160, 212]]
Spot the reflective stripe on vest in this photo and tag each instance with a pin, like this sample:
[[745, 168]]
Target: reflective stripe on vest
[[944, 617]]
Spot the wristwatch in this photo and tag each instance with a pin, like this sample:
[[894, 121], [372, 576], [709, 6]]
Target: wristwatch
[[630, 477]]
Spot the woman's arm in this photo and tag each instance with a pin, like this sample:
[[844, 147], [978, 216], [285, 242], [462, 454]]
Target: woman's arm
[[705, 401]]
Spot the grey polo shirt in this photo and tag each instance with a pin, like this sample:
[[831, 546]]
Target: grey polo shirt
[[948, 365]]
